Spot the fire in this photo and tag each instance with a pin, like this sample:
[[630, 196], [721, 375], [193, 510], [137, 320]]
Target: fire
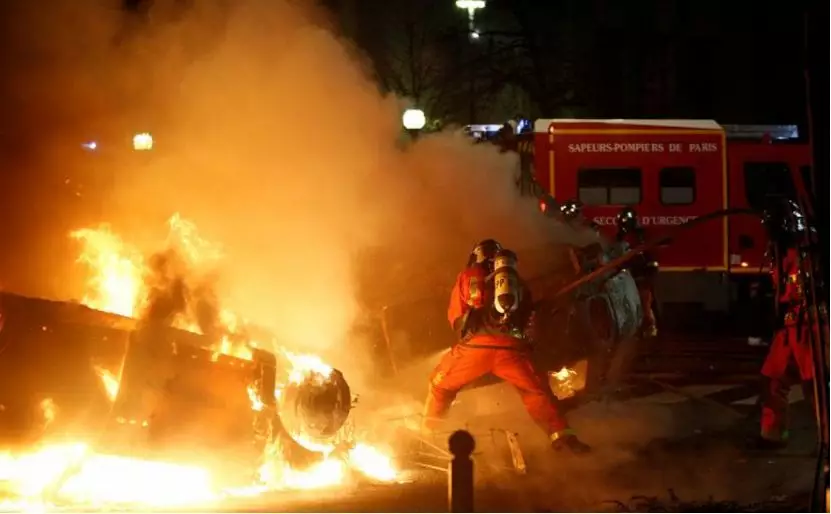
[[332, 470], [561, 382], [304, 364], [257, 404], [568, 381], [72, 473], [119, 274], [120, 283], [109, 381], [277, 474], [116, 281], [335, 467], [49, 410], [373, 463], [564, 374]]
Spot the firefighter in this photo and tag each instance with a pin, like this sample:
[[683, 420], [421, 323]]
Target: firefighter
[[572, 213], [491, 313], [643, 268], [789, 358]]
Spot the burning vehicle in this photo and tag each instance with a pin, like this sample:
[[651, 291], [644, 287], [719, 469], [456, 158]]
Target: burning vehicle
[[144, 392], [147, 391]]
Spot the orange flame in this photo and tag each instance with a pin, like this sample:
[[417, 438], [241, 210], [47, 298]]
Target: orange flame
[[65, 473], [118, 276], [566, 382], [117, 284], [109, 381]]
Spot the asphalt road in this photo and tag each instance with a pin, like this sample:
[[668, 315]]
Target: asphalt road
[[683, 447], [643, 449], [667, 430]]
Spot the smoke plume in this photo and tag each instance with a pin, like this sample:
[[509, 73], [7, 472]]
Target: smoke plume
[[271, 136]]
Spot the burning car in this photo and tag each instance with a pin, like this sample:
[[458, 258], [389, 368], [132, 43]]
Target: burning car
[[109, 400]]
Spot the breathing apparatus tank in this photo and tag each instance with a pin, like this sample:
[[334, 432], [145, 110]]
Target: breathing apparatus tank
[[507, 290]]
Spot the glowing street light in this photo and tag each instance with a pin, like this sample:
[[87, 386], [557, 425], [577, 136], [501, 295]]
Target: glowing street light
[[471, 6], [414, 119], [143, 141]]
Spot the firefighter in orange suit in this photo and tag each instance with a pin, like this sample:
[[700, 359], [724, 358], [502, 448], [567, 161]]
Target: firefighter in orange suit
[[789, 355], [642, 267], [491, 312]]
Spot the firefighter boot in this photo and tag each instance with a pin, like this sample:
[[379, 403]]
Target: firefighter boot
[[568, 442]]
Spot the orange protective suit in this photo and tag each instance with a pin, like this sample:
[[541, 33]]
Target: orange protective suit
[[484, 347], [791, 344]]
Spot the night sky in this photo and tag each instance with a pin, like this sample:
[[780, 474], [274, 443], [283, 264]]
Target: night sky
[[737, 61]]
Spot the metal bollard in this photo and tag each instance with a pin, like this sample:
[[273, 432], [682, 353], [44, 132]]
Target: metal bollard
[[460, 475]]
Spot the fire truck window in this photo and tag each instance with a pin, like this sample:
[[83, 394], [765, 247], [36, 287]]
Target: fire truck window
[[677, 186], [615, 186], [765, 179]]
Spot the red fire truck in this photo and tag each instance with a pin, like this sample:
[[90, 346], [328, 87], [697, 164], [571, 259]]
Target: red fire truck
[[672, 171]]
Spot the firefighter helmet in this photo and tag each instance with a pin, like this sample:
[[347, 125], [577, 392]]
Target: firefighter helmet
[[783, 219], [626, 220], [571, 209], [484, 252]]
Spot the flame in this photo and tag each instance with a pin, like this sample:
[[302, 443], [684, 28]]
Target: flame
[[564, 374], [303, 365], [71, 473], [335, 467], [49, 410], [117, 283], [278, 474], [373, 463], [118, 274], [561, 382], [256, 402], [109, 381], [332, 470]]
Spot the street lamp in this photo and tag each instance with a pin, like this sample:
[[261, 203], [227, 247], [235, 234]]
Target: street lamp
[[143, 141], [413, 120], [471, 7]]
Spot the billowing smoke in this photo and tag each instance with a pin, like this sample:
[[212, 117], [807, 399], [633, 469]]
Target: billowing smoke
[[175, 292], [272, 138]]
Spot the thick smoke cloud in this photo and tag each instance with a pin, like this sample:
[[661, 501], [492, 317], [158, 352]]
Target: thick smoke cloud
[[273, 139]]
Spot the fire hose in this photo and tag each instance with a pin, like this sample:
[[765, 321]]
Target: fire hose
[[649, 245], [810, 283]]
